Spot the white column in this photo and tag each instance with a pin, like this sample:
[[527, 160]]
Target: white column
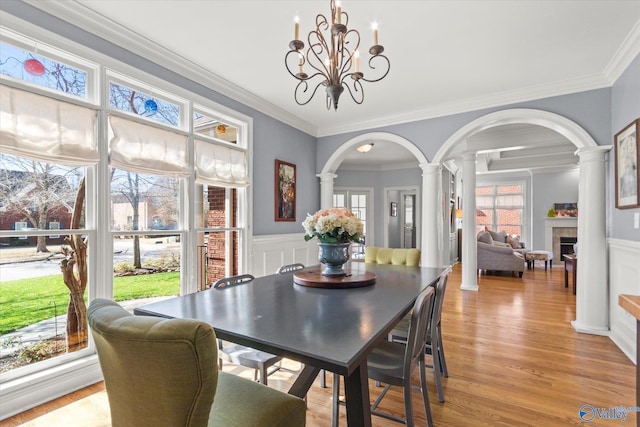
[[431, 212], [592, 293], [469, 246], [326, 189]]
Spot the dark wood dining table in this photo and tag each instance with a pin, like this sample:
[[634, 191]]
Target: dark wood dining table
[[331, 329]]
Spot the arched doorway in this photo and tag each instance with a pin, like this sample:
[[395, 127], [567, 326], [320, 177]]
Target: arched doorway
[[328, 173], [592, 294]]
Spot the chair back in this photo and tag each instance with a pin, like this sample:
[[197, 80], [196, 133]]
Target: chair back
[[441, 287], [395, 256], [232, 281], [289, 268], [157, 372], [417, 333]]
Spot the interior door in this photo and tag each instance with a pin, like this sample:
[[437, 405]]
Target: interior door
[[408, 237], [358, 202]]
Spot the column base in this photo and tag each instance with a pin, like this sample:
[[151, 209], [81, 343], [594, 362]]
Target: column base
[[593, 330], [473, 288]]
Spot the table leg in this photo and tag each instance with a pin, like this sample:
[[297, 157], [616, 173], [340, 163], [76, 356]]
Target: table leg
[[356, 388], [566, 275], [304, 381]]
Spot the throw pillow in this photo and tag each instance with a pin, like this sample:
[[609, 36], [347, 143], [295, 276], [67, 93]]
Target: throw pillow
[[514, 242], [499, 237], [485, 237], [502, 245]]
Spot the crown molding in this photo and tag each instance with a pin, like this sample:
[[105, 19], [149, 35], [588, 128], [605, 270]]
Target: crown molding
[[627, 52], [79, 15], [580, 84]]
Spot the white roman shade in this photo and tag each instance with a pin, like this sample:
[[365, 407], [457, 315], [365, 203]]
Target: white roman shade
[[45, 129], [220, 166], [142, 148]]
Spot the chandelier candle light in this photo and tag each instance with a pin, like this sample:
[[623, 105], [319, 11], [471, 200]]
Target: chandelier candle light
[[332, 59]]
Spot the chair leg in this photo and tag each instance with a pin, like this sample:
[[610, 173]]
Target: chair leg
[[408, 407], [443, 361], [435, 353], [323, 378], [425, 392], [263, 375], [335, 417]]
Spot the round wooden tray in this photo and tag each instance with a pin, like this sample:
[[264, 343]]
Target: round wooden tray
[[313, 278]]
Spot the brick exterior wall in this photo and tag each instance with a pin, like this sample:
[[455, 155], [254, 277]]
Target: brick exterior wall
[[216, 242]]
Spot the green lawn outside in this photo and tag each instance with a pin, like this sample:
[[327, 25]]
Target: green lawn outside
[[28, 301]]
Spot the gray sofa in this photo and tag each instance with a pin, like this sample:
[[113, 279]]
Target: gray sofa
[[499, 256]]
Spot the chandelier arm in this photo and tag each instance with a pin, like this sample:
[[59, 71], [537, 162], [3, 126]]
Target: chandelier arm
[[345, 64], [356, 84], [286, 62], [297, 93], [388, 65]]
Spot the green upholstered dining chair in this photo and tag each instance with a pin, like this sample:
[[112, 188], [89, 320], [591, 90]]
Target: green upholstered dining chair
[[259, 361], [163, 372], [395, 256]]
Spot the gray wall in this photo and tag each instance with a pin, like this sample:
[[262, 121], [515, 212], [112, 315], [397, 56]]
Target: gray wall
[[271, 139], [547, 189], [625, 108]]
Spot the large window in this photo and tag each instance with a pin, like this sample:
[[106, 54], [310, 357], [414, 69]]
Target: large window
[[106, 192], [501, 207]]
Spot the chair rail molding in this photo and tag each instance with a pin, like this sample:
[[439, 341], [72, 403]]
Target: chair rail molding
[[270, 252], [624, 278]]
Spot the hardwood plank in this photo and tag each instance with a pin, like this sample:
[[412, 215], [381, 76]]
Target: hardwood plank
[[513, 357]]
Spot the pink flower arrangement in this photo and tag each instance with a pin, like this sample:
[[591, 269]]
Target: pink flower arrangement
[[335, 225]]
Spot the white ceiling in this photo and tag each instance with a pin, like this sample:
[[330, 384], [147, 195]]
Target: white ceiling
[[446, 56]]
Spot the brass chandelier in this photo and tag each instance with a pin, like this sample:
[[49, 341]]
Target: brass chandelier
[[333, 60]]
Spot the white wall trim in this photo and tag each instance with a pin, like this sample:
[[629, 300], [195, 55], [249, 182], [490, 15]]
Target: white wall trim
[[624, 278], [272, 251]]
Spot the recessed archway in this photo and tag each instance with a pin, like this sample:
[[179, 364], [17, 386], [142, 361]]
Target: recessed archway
[[339, 155], [592, 294]]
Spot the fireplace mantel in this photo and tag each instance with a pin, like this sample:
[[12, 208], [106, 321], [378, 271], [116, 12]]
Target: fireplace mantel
[[556, 222]]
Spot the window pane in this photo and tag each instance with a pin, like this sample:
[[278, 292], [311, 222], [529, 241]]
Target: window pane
[[218, 256], [510, 201], [157, 273], [143, 202], [214, 128], [508, 189], [41, 71], [484, 190], [139, 103], [34, 301], [220, 207], [36, 194], [339, 201]]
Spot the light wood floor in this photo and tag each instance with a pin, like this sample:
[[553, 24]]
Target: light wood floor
[[513, 357]]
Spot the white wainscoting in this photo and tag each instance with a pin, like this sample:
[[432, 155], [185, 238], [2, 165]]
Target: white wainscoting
[[269, 252], [624, 278]]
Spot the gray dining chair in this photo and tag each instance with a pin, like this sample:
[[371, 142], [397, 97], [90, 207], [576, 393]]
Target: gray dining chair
[[259, 361], [289, 268], [393, 363], [434, 345]]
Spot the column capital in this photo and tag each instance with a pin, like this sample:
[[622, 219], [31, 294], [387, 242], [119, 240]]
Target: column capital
[[593, 153], [430, 168], [327, 177]]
